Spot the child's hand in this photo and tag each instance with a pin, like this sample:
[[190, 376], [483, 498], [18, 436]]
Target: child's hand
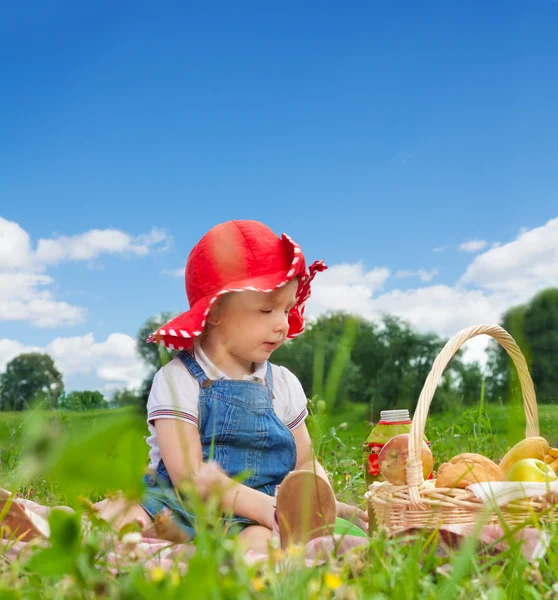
[[353, 514], [209, 478]]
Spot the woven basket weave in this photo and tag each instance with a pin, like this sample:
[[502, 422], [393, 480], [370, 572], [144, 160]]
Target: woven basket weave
[[418, 504]]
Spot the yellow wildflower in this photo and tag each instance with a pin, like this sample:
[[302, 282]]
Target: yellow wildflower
[[332, 581], [157, 574], [276, 555], [175, 578], [258, 584], [295, 551]]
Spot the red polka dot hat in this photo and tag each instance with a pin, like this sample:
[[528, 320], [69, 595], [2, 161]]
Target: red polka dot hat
[[233, 257]]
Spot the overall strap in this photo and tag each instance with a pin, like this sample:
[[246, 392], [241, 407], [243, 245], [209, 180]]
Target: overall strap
[[191, 364], [269, 379]]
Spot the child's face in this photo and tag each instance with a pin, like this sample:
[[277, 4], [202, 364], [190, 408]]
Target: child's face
[[251, 325]]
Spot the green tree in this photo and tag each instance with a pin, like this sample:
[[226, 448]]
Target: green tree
[[154, 355], [502, 378], [149, 352], [535, 328], [469, 384], [541, 335], [29, 377], [311, 357], [387, 363], [82, 400], [407, 360], [125, 397]]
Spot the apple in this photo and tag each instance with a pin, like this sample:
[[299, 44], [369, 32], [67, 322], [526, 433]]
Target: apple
[[393, 459], [531, 469]]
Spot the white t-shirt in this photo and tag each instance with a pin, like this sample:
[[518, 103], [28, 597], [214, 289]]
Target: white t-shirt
[[175, 395]]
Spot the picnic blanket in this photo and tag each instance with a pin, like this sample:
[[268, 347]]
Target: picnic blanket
[[166, 555]]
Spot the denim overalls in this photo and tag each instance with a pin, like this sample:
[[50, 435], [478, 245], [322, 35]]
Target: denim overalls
[[248, 437]]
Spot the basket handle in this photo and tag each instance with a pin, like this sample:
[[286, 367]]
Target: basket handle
[[414, 463]]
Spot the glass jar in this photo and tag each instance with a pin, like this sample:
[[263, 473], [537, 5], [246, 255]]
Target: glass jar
[[392, 423]]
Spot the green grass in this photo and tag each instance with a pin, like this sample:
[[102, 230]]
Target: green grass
[[56, 457]]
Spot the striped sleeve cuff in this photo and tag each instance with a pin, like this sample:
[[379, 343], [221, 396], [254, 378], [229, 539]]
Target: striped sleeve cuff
[[171, 413], [299, 419]]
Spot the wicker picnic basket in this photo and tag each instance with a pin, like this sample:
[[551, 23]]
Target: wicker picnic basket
[[420, 504]]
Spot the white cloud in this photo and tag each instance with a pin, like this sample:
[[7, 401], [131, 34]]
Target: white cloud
[[114, 361], [422, 274], [438, 249], [22, 298], [345, 287], [15, 247], [89, 245], [440, 308], [521, 267], [499, 278], [25, 289], [10, 349], [355, 274], [473, 246]]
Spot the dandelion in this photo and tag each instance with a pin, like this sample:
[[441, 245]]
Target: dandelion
[[332, 581], [258, 584], [157, 574]]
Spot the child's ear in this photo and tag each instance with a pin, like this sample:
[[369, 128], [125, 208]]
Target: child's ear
[[213, 319]]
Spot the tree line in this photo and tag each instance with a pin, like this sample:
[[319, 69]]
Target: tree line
[[342, 358]]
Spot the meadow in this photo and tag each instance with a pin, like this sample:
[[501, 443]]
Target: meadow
[[55, 458]]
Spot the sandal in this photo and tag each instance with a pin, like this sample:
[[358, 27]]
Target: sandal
[[20, 521], [305, 508]]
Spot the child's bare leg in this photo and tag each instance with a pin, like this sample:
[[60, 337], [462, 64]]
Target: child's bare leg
[[256, 538], [120, 512]]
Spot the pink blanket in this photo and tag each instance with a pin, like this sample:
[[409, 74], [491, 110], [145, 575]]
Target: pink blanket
[[133, 547]]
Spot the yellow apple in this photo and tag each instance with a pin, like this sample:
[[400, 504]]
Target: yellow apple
[[531, 469]]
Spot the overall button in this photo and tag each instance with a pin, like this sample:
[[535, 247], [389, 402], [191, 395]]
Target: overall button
[[206, 383]]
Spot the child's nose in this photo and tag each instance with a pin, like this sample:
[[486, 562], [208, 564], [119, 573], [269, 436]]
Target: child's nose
[[282, 324]]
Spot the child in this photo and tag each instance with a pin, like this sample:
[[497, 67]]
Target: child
[[246, 289], [220, 409]]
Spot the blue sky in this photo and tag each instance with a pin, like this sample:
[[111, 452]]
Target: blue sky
[[372, 133]]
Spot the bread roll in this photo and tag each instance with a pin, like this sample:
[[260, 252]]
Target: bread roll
[[465, 469]]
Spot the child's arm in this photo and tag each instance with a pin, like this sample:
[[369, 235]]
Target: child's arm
[[305, 453], [307, 460], [181, 451]]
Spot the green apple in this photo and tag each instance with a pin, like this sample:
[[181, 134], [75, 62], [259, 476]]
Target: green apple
[[531, 469]]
